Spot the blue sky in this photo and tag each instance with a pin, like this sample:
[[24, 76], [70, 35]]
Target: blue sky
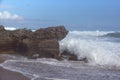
[[74, 14]]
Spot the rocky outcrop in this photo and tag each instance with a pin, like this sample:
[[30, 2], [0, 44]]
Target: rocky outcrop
[[66, 55], [57, 33], [41, 43]]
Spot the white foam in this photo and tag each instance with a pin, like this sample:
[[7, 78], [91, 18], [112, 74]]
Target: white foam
[[97, 51], [89, 33], [19, 66], [10, 28], [55, 78], [42, 69]]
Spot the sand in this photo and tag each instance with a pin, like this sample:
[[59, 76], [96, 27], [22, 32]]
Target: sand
[[10, 75]]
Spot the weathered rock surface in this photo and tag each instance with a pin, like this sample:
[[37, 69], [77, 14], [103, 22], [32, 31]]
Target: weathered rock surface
[[57, 33], [41, 43], [67, 55], [71, 56]]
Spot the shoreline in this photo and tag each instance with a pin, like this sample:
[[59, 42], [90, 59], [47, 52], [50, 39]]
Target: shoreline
[[6, 74], [11, 75]]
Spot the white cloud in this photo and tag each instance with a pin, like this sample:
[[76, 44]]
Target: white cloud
[[6, 15]]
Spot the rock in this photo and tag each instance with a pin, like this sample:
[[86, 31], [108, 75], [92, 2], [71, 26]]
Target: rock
[[10, 43], [70, 56], [22, 33], [42, 43], [57, 33], [67, 55], [49, 48], [2, 28], [43, 48], [34, 56]]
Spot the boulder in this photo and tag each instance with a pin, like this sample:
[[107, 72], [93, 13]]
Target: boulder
[[57, 33], [10, 43], [42, 43]]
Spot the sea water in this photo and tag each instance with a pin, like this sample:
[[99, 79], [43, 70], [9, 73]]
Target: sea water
[[101, 50], [98, 47]]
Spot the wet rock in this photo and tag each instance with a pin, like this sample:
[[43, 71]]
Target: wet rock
[[71, 56], [67, 55], [43, 42]]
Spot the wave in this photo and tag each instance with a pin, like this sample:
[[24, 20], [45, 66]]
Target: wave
[[10, 28], [96, 49], [113, 34]]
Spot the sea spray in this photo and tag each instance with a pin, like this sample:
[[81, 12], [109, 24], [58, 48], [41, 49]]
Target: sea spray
[[98, 50]]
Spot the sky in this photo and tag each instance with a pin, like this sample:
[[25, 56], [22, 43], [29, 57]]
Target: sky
[[74, 14]]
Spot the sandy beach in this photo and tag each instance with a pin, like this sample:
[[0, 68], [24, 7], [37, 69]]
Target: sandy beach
[[10, 75]]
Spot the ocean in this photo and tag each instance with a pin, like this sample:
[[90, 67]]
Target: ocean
[[101, 48]]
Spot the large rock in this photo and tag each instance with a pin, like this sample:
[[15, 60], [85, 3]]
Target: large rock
[[41, 43], [10, 43], [57, 33]]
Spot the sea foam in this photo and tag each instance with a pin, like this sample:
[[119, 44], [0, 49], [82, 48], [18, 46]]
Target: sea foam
[[10, 28], [97, 50]]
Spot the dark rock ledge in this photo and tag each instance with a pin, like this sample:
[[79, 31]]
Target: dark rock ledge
[[42, 43]]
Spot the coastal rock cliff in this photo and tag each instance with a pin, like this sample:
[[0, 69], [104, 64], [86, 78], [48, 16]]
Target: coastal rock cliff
[[41, 43]]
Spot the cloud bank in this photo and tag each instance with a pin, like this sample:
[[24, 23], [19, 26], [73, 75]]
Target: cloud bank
[[5, 15]]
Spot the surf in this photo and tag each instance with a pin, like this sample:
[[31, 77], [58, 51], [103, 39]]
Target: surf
[[98, 50]]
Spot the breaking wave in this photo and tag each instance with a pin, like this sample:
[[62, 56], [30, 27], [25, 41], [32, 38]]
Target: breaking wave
[[10, 28], [113, 34], [98, 50]]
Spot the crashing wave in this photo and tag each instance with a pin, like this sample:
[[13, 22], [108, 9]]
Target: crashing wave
[[96, 50], [10, 28], [114, 34]]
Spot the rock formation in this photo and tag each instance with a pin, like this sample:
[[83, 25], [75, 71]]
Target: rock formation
[[67, 55], [41, 43]]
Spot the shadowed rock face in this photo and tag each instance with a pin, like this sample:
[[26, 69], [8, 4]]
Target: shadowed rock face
[[41, 43], [67, 55], [71, 56]]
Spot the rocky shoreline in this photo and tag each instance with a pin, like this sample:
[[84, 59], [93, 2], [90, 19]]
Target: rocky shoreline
[[42, 43]]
